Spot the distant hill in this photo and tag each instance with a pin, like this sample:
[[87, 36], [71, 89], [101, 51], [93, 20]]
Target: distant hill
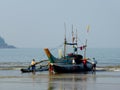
[[3, 44]]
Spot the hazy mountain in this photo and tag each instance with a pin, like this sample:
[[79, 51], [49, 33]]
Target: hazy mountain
[[3, 44]]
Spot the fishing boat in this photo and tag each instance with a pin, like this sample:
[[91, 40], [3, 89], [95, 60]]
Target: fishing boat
[[72, 62], [69, 64]]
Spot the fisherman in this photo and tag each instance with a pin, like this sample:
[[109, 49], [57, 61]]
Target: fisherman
[[73, 61], [94, 64], [85, 63], [33, 63]]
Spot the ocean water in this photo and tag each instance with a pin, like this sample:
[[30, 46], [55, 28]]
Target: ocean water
[[11, 60], [23, 56], [14, 58]]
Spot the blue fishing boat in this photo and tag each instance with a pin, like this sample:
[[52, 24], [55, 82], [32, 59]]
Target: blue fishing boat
[[72, 62]]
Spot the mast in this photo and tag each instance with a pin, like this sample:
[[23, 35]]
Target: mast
[[85, 49], [88, 28], [65, 41], [76, 40], [73, 39], [73, 36]]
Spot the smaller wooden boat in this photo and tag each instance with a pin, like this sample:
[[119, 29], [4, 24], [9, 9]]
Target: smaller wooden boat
[[26, 70], [42, 67]]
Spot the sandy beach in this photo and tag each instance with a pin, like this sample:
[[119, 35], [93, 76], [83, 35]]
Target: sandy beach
[[15, 80]]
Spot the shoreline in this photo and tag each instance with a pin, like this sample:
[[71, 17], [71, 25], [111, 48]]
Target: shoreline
[[108, 80], [98, 68], [16, 80]]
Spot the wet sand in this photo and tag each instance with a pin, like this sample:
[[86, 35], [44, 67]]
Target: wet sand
[[15, 80]]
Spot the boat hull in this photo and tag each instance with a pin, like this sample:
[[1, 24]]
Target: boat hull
[[75, 68], [36, 70]]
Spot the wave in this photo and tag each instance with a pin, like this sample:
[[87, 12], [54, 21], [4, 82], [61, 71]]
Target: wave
[[109, 68], [19, 65], [13, 65]]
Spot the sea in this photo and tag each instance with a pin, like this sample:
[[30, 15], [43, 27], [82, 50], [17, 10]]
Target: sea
[[12, 60], [20, 57]]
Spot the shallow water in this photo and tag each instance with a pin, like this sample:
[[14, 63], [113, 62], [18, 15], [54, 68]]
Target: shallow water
[[48, 81]]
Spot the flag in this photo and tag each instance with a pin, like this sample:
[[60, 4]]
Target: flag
[[88, 28], [83, 47]]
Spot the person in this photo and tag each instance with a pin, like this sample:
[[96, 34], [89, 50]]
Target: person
[[85, 63], [94, 64], [33, 63], [73, 61]]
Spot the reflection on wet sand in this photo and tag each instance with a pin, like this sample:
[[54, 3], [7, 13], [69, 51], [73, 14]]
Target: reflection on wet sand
[[70, 81], [46, 81]]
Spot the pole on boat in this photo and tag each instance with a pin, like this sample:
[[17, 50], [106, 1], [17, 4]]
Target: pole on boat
[[85, 49], [73, 38], [65, 41], [88, 28], [72, 35], [76, 40]]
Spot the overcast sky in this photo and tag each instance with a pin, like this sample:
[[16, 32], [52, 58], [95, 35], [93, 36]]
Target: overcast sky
[[40, 23]]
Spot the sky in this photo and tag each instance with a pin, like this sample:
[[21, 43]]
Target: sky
[[40, 23]]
